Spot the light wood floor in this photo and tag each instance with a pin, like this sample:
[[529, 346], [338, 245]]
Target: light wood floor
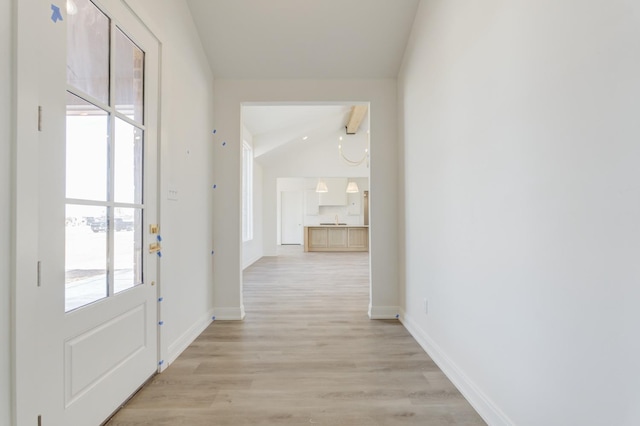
[[305, 354]]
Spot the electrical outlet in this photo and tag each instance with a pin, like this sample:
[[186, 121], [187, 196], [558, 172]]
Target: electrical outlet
[[425, 304]]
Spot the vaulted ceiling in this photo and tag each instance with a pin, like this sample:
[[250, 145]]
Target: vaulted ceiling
[[301, 39], [304, 38], [278, 127], [275, 126]]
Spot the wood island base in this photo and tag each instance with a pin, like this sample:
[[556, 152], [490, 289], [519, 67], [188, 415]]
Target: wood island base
[[336, 238]]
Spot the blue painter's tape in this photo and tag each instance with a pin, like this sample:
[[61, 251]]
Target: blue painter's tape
[[213, 318], [212, 252], [161, 362], [397, 316], [214, 131], [159, 238], [215, 186], [161, 323], [224, 143], [160, 299], [56, 15], [159, 254]]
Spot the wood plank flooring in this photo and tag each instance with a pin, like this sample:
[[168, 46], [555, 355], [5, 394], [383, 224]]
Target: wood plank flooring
[[305, 354]]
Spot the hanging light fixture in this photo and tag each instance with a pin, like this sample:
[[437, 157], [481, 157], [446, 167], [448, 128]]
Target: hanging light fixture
[[321, 187], [352, 188], [353, 162]]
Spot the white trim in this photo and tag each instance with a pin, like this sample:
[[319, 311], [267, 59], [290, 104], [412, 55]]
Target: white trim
[[229, 314], [188, 337], [247, 192], [97, 203], [383, 312], [251, 261], [485, 407]]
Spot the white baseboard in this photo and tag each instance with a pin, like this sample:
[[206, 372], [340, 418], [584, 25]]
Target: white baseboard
[[176, 348], [229, 314], [251, 262], [487, 409], [383, 312]]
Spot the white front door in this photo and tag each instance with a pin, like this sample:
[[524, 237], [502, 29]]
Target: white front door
[[291, 217], [86, 308]]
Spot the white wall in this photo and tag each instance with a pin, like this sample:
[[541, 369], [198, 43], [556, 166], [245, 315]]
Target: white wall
[[522, 152], [229, 95], [252, 249], [6, 124], [187, 148]]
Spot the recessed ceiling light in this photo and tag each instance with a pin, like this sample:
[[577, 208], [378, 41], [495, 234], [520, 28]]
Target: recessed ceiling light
[[304, 138]]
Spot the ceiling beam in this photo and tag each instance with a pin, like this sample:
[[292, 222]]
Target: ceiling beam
[[357, 115]]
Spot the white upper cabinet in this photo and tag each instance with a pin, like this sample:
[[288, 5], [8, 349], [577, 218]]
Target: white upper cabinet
[[337, 195], [311, 207]]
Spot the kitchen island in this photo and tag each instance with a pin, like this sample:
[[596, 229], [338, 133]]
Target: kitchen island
[[336, 238]]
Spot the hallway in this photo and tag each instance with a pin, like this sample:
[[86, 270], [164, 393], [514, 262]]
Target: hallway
[[305, 354]]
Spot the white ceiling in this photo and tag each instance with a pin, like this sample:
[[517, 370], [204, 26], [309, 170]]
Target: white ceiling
[[304, 38]]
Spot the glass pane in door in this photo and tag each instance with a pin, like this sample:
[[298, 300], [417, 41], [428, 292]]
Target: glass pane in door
[[129, 69], [85, 255], [87, 150], [127, 248], [128, 163], [88, 50]]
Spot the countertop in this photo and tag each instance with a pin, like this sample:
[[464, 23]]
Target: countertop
[[336, 226]]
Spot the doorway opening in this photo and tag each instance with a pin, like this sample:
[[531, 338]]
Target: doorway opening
[[295, 148]]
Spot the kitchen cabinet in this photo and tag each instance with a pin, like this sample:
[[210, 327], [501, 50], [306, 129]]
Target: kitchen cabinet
[[358, 238], [311, 206], [337, 194], [336, 238]]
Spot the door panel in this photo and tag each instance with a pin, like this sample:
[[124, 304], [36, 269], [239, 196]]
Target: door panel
[[91, 356], [291, 212]]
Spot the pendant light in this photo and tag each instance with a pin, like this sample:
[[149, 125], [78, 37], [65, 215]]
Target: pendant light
[[352, 188], [321, 187]]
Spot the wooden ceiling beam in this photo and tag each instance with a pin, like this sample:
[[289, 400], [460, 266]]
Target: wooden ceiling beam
[[355, 119]]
